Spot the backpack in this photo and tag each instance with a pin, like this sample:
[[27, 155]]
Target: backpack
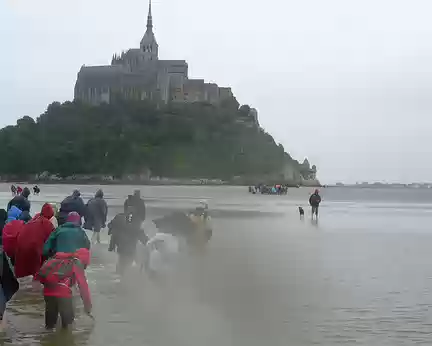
[[57, 270]]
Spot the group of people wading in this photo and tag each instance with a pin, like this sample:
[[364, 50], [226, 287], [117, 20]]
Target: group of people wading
[[18, 190], [52, 246]]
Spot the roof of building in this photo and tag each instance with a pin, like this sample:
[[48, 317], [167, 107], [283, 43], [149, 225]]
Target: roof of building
[[115, 76], [133, 52], [149, 37], [98, 71], [100, 75], [172, 62]]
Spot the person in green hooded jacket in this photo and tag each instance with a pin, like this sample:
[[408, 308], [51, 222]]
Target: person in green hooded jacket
[[69, 237]]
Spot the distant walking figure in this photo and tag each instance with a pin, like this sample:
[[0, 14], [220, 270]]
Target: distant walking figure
[[36, 190], [314, 201], [96, 215]]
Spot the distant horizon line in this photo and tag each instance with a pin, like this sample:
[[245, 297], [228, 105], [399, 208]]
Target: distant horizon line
[[365, 183]]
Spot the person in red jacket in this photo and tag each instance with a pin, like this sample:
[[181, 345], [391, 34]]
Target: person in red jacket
[[10, 235], [30, 242], [58, 275]]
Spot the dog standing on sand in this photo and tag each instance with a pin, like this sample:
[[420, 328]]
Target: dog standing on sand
[[301, 212]]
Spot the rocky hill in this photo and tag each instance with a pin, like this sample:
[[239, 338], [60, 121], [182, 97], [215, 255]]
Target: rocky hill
[[183, 141]]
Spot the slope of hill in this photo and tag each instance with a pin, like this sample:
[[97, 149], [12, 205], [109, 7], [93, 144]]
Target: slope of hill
[[188, 140]]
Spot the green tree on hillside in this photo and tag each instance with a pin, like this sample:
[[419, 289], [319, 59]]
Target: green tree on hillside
[[175, 140]]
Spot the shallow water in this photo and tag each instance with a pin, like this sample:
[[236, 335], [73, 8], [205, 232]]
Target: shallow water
[[361, 276]]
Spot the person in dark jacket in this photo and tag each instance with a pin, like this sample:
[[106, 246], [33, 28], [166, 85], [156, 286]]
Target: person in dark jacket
[[114, 229], [135, 204], [70, 204], [96, 215], [3, 218], [125, 230], [21, 201], [314, 201], [8, 284]]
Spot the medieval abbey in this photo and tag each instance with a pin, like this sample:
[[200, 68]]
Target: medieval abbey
[[139, 74]]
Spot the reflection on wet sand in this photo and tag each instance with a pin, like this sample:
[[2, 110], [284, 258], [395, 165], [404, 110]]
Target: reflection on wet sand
[[361, 275]]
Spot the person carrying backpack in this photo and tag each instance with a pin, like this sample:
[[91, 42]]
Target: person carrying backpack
[[69, 237], [21, 200], [58, 275]]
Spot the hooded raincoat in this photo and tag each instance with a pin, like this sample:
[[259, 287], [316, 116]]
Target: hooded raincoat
[[96, 214], [30, 242], [60, 273], [69, 237]]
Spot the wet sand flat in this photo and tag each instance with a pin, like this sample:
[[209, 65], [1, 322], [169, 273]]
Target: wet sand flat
[[361, 276]]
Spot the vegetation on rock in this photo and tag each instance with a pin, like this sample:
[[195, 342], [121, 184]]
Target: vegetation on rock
[[175, 140]]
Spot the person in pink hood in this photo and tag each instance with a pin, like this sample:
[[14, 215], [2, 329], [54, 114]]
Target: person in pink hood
[[58, 275]]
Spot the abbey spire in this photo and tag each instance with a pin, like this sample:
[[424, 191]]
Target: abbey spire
[[148, 43], [150, 18]]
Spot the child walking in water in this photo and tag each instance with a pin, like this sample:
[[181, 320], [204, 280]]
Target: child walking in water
[[59, 275]]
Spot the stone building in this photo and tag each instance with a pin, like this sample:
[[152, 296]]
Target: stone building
[[139, 74]]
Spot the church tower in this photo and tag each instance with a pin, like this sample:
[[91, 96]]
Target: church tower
[[148, 43]]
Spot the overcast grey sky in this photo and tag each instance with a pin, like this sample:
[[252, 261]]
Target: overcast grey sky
[[347, 83]]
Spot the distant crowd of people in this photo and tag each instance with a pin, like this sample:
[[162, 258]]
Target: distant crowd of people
[[53, 247], [277, 189], [18, 190]]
